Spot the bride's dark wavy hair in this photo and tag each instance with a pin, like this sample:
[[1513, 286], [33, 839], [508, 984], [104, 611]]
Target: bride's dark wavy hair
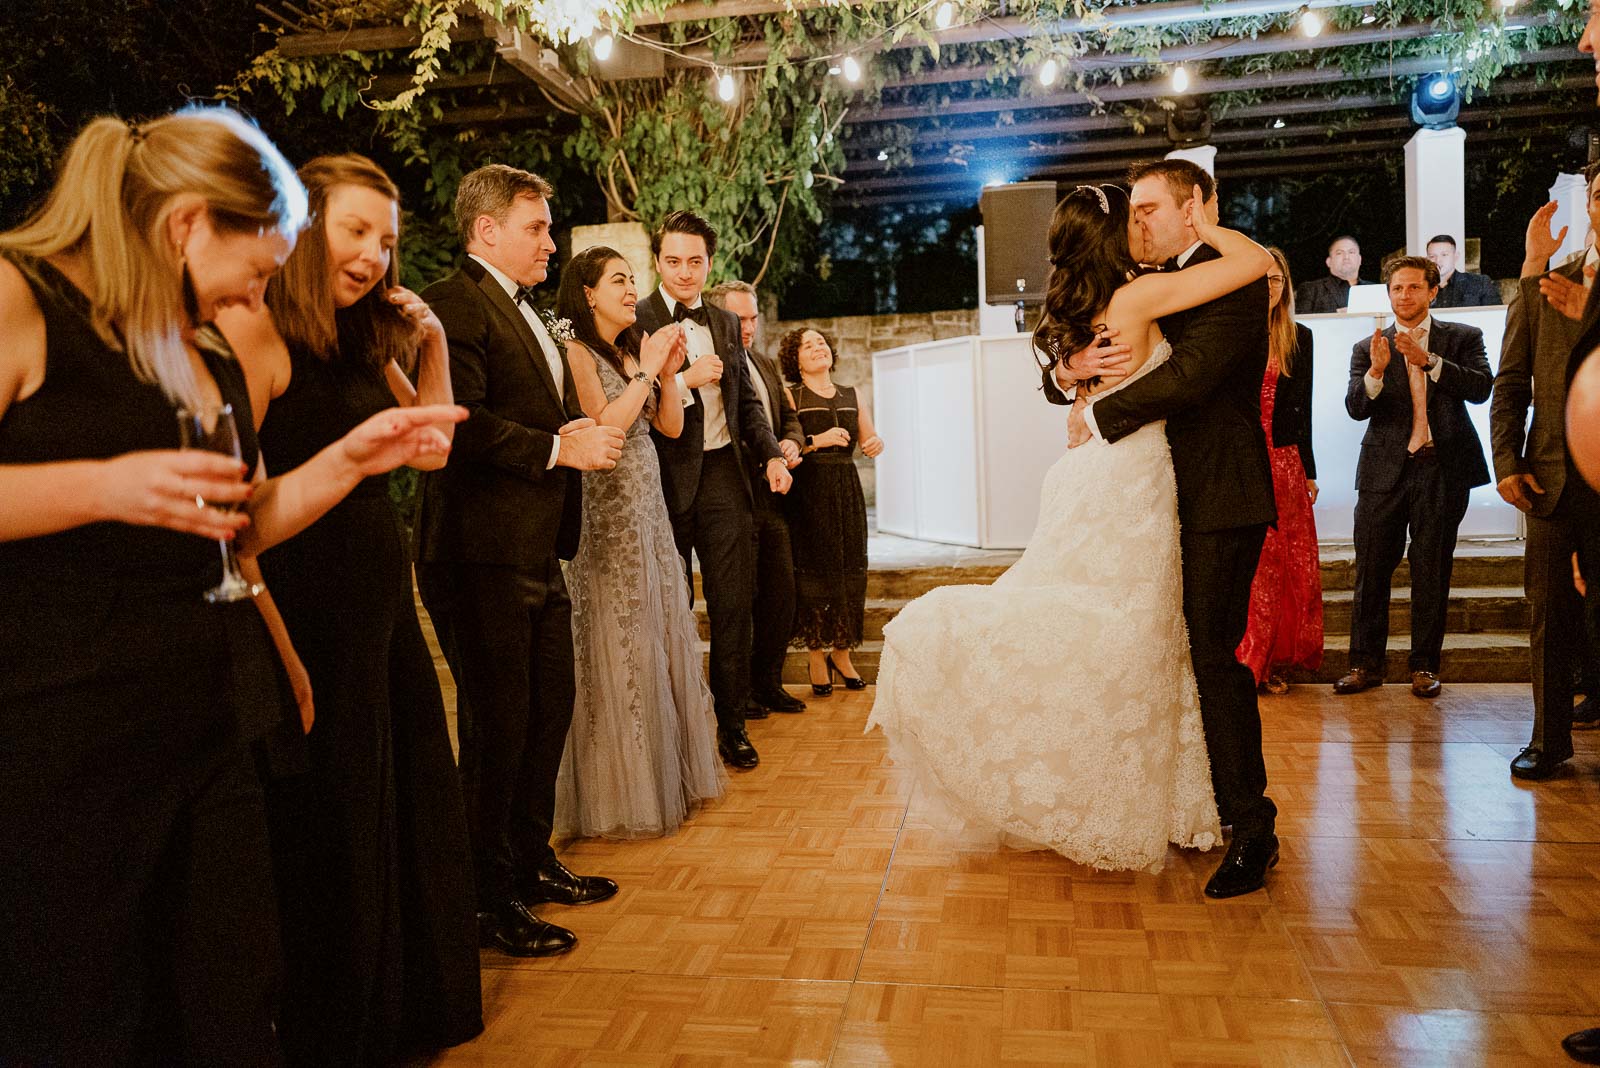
[[1089, 260]]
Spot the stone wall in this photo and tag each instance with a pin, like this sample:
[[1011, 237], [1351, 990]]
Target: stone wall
[[859, 336]]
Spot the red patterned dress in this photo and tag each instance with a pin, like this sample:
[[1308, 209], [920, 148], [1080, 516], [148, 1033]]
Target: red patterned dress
[[1285, 631]]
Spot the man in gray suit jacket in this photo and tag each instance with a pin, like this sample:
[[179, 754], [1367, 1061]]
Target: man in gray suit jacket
[[1534, 469]]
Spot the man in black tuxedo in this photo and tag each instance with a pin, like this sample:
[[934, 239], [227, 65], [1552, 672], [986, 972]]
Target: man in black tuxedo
[[1420, 459], [494, 525], [1459, 289], [774, 561], [1537, 473], [1209, 392], [703, 478]]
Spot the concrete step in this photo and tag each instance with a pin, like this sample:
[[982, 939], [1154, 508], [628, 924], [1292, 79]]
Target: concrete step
[[1488, 656]]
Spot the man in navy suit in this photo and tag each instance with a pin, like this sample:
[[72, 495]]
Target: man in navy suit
[[1420, 459]]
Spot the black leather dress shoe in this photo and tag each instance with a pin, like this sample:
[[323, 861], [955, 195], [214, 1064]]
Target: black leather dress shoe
[[1534, 763], [778, 700], [512, 928], [1244, 869], [1426, 684], [755, 711], [1358, 679], [1583, 1046], [1586, 714], [551, 881], [736, 750]]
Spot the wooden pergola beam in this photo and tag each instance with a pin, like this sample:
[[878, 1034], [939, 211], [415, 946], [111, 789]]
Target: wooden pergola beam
[[374, 39]]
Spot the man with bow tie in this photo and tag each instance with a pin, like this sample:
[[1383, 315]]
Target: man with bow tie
[[1420, 459], [703, 469], [494, 526]]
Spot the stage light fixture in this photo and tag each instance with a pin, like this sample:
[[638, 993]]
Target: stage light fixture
[[602, 46], [1436, 101], [945, 15], [1189, 124], [1048, 72]]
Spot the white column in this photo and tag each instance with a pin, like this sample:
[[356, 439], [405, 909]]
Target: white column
[[1436, 198], [992, 318], [1203, 156], [1572, 195]]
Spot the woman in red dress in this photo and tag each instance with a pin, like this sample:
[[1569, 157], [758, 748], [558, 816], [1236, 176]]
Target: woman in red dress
[[1285, 632]]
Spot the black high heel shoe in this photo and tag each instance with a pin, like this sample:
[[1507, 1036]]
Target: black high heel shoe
[[851, 682], [822, 689]]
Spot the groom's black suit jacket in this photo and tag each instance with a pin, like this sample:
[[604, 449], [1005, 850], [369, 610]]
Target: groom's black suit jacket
[[496, 502]]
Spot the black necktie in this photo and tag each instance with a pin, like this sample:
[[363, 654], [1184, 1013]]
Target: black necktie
[[683, 311], [524, 295], [1170, 265]]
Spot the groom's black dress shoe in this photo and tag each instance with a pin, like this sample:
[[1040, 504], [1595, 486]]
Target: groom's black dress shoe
[[1244, 869], [1586, 714], [1358, 679], [735, 747], [511, 927], [755, 711], [1583, 1046], [551, 881], [1534, 763], [779, 700]]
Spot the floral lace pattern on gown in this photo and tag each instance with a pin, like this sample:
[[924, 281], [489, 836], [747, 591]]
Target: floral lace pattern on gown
[[1057, 708], [641, 753]]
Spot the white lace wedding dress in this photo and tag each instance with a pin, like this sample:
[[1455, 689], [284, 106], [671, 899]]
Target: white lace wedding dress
[[1057, 707]]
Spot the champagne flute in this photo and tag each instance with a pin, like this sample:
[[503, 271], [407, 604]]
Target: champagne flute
[[213, 428]]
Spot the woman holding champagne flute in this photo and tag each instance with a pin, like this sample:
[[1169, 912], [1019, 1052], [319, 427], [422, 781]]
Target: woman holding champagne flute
[[134, 872], [380, 929]]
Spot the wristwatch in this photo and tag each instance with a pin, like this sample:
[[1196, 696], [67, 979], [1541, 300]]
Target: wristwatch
[[810, 442], [640, 376]]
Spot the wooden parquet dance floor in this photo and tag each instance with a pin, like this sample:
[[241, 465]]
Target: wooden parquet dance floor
[[1428, 910]]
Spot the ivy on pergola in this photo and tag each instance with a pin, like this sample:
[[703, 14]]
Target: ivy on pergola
[[648, 123]]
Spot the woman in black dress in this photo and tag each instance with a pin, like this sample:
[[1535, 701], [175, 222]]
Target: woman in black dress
[[374, 875], [134, 874], [827, 512]]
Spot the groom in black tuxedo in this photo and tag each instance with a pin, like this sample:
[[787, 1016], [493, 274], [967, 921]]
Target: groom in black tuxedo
[[494, 526], [725, 430], [1209, 392]]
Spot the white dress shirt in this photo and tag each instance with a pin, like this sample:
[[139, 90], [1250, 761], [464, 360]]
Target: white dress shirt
[[547, 344], [701, 344], [1423, 331]]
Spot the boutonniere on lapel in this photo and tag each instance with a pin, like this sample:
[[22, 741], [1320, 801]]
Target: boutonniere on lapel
[[560, 330]]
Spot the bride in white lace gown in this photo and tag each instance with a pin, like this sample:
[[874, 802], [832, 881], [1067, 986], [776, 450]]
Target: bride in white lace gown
[[1057, 708]]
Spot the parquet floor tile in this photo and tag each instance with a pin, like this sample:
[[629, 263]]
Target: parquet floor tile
[[1428, 910]]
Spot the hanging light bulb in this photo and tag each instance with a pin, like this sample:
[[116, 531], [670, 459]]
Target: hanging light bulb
[[602, 47], [1368, 19], [883, 155], [726, 88], [1310, 23], [1180, 79], [1048, 72], [851, 69], [945, 15], [1278, 124]]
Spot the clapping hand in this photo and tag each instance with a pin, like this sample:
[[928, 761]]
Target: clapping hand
[[1540, 244], [1414, 353], [666, 346], [1380, 354], [1565, 295]]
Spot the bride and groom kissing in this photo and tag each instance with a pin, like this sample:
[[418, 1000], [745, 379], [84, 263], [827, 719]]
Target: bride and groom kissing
[[1090, 700]]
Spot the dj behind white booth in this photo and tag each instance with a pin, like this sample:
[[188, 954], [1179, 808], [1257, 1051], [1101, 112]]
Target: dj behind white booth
[[974, 437]]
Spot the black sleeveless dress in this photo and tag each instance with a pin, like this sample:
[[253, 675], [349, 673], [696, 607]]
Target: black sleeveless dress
[[374, 875], [134, 874], [827, 515]]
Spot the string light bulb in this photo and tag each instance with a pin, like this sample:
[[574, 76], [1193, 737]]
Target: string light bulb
[[602, 47], [1310, 23], [851, 69], [1180, 79], [726, 87], [1048, 72], [946, 15], [883, 155], [1368, 19]]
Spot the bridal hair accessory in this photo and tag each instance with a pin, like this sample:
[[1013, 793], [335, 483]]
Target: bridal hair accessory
[[1099, 191], [135, 132]]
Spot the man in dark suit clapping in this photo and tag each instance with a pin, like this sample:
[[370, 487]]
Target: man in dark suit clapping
[[495, 525], [703, 478], [1420, 459]]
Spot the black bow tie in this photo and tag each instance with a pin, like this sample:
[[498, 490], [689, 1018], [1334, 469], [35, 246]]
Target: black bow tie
[[523, 295], [683, 311], [1170, 265]]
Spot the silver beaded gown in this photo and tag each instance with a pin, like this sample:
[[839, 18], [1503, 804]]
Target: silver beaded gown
[[641, 754]]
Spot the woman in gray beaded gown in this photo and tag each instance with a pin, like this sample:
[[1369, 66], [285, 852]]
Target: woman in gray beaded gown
[[641, 755]]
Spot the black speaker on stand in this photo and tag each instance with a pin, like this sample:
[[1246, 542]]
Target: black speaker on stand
[[1016, 250]]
